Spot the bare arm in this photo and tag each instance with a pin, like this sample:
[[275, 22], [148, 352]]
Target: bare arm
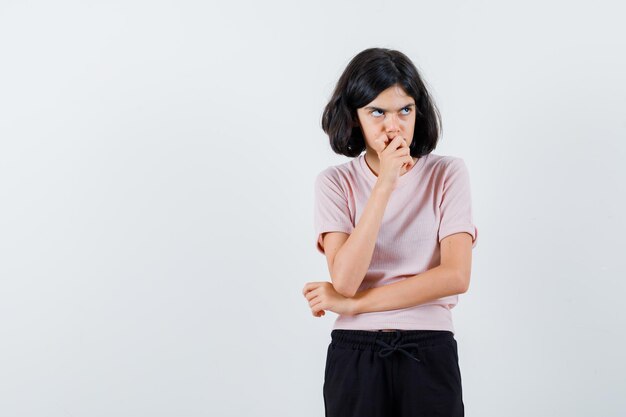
[[350, 261], [349, 258], [451, 277]]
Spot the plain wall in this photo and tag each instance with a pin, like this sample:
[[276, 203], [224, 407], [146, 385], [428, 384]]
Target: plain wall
[[156, 191]]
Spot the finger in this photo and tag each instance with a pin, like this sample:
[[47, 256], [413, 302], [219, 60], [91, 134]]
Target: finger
[[311, 295], [315, 303], [401, 152], [317, 309], [306, 288], [381, 143], [402, 143], [396, 142], [310, 286]]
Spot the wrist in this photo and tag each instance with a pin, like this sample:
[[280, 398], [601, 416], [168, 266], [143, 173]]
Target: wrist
[[382, 187], [352, 307], [355, 303]]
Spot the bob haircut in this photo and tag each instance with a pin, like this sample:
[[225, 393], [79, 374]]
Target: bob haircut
[[366, 76]]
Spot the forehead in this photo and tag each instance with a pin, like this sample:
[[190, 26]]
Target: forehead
[[394, 94]]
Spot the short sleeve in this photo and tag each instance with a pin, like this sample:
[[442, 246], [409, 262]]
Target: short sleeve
[[456, 202], [331, 212]]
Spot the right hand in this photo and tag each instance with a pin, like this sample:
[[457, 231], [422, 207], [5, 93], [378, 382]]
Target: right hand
[[395, 158]]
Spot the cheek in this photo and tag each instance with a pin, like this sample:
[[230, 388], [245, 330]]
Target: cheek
[[370, 130], [409, 121], [409, 126]]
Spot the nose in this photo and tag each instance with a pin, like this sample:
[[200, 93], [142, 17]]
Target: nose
[[392, 124]]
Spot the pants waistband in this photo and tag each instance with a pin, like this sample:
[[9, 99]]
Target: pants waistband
[[386, 343]]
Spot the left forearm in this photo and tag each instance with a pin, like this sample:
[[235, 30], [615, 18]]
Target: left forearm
[[418, 289]]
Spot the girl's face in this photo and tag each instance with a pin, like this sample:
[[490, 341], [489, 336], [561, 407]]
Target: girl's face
[[391, 113]]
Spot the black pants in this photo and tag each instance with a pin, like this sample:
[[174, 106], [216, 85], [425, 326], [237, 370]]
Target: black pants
[[405, 373]]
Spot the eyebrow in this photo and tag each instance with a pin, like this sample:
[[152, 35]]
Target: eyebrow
[[378, 108]]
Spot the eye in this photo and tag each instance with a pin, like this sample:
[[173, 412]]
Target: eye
[[408, 109], [376, 110]]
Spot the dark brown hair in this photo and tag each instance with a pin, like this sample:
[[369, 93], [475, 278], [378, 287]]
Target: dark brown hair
[[366, 76]]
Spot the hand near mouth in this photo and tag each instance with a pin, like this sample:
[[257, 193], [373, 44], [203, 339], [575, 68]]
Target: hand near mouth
[[394, 156]]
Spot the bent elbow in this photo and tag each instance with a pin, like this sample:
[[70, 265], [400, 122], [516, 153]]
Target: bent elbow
[[348, 294], [463, 280], [341, 283], [343, 290]]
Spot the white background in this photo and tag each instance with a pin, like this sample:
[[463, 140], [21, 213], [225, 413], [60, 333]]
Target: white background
[[156, 188]]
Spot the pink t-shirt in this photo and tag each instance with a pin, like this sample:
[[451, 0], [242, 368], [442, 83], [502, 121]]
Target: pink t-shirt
[[430, 202]]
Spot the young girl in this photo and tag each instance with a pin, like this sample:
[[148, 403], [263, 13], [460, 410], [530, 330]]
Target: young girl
[[395, 224]]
